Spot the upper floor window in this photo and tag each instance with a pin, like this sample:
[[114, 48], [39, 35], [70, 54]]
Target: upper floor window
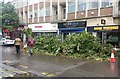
[[107, 3], [81, 5], [93, 4], [71, 7], [35, 13], [30, 14], [41, 12], [48, 11]]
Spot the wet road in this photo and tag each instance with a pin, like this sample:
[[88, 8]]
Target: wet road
[[49, 66]]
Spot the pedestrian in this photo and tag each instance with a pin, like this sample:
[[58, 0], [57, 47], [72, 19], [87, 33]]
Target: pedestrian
[[18, 44], [31, 44]]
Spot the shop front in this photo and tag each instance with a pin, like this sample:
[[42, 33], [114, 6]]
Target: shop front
[[43, 28], [108, 34], [66, 28]]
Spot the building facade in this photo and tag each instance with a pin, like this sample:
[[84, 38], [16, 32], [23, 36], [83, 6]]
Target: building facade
[[100, 17]]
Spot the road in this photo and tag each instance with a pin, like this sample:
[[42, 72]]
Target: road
[[50, 66]]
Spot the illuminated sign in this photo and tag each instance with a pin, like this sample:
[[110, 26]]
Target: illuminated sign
[[111, 28], [97, 28]]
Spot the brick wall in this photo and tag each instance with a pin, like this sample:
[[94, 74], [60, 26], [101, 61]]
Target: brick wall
[[80, 14], [35, 6], [21, 10], [106, 11], [30, 20], [41, 4], [26, 8], [93, 13], [30, 7], [40, 19], [47, 19], [35, 20], [71, 16]]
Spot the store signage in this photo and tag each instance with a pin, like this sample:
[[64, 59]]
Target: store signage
[[72, 24], [106, 28], [38, 26], [97, 28], [111, 28]]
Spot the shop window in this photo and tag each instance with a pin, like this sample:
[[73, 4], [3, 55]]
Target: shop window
[[113, 39]]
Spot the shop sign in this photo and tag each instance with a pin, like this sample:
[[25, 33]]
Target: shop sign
[[111, 28], [97, 28], [38, 26], [72, 24]]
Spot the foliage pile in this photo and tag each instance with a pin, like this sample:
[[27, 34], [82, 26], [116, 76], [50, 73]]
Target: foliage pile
[[82, 45]]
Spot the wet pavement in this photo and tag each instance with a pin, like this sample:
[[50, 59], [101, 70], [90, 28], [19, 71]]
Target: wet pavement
[[51, 66]]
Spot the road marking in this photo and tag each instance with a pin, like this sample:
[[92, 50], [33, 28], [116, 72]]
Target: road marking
[[44, 73], [50, 75], [23, 66]]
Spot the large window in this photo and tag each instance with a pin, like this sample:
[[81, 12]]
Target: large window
[[93, 4], [30, 14], [71, 7], [81, 5], [107, 3], [41, 12], [48, 11], [35, 13]]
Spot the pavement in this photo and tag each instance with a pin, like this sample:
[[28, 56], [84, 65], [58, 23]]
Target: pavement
[[55, 66]]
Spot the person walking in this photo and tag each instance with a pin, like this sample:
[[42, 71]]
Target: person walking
[[31, 44], [18, 44]]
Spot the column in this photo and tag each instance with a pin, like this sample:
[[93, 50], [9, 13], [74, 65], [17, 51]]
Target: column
[[38, 12], [24, 19], [44, 12], [51, 11], [99, 6], [33, 13], [58, 8], [87, 5], [76, 7], [28, 13], [66, 8]]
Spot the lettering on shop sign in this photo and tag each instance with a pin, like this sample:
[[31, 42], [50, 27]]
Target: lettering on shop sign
[[97, 28], [38, 26], [111, 28]]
